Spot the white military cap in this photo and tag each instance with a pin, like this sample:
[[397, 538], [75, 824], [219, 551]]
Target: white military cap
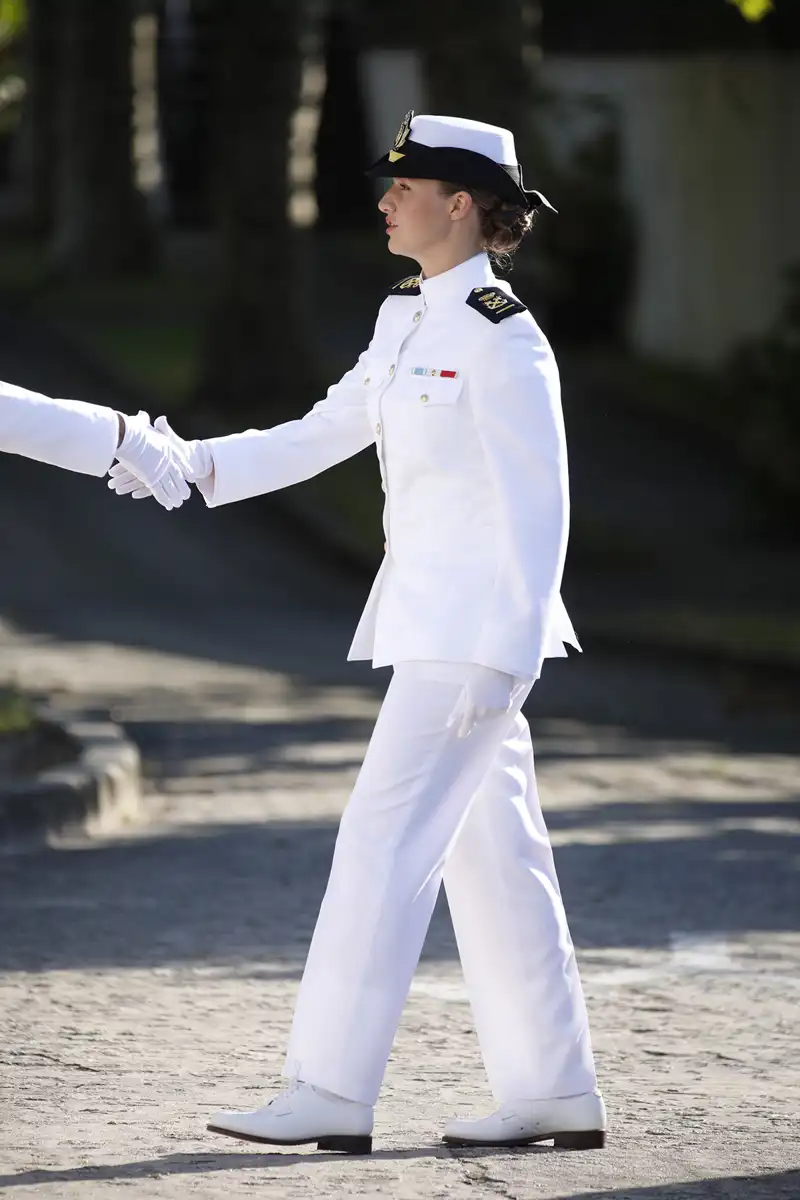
[[470, 153]]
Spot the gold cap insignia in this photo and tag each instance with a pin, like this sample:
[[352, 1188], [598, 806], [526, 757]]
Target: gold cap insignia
[[402, 136]]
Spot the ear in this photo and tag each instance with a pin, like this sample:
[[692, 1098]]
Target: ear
[[460, 205]]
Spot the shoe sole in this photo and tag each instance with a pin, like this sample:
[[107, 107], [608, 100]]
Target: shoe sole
[[342, 1143], [583, 1139]]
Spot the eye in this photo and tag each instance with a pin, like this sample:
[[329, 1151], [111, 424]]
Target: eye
[[403, 187]]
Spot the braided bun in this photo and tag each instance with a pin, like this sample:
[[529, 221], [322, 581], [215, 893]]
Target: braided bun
[[503, 225]]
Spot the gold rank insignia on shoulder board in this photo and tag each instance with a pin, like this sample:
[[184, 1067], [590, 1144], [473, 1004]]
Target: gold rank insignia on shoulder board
[[494, 303], [406, 287]]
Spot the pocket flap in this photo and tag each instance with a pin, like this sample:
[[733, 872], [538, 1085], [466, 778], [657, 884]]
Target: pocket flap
[[437, 389]]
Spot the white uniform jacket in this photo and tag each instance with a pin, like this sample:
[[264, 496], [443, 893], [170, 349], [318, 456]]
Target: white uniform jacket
[[459, 391], [65, 433]]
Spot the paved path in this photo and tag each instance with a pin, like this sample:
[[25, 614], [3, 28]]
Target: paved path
[[148, 979]]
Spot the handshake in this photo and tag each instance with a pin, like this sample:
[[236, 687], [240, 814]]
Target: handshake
[[153, 461]]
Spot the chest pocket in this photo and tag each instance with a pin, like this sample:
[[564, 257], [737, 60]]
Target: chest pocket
[[433, 391]]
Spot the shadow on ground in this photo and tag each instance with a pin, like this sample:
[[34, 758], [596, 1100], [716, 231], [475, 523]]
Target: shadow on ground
[[782, 1185], [240, 896]]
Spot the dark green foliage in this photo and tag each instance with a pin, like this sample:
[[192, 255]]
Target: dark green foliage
[[16, 712]]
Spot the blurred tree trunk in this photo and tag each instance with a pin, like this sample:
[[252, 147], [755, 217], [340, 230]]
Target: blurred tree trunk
[[340, 157], [481, 63], [101, 225], [34, 165], [187, 59], [255, 356]]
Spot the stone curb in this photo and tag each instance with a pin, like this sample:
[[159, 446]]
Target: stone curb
[[94, 795]]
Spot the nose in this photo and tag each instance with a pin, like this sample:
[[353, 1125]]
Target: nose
[[386, 204]]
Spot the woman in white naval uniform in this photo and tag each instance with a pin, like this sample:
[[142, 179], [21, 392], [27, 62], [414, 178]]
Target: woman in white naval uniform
[[87, 438], [459, 392]]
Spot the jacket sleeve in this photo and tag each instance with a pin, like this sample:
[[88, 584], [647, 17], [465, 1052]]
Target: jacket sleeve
[[516, 402], [65, 433], [259, 461]]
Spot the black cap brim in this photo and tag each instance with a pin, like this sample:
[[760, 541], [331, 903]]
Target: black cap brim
[[454, 165]]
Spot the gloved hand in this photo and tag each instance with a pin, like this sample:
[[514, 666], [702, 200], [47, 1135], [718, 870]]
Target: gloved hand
[[195, 455], [487, 693], [155, 461]]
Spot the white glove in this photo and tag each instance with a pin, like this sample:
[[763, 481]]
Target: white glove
[[486, 694], [195, 457], [155, 460]]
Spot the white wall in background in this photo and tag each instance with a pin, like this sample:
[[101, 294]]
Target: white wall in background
[[712, 167]]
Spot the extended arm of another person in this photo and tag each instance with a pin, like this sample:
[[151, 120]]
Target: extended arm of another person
[[257, 461], [64, 433], [86, 438], [517, 410]]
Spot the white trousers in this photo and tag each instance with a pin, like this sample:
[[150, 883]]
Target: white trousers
[[428, 805]]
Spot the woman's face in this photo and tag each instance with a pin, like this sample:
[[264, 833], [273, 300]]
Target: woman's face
[[418, 215]]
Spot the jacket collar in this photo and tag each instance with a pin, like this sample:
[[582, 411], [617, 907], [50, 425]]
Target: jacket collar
[[455, 284]]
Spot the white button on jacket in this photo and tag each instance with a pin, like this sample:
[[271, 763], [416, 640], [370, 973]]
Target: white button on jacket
[[465, 412]]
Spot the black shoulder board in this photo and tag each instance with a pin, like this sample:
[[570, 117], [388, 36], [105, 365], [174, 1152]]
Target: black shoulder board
[[406, 287], [494, 303]]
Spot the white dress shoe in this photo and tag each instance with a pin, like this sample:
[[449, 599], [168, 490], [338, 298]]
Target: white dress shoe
[[571, 1122], [302, 1113]]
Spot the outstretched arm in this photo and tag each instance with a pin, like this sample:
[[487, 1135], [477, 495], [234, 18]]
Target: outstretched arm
[[257, 461], [86, 437], [65, 433]]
